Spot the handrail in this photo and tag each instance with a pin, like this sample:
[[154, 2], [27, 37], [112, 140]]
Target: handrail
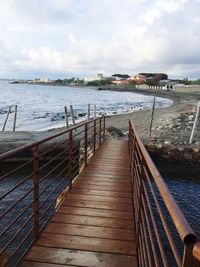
[[10, 153], [30, 191], [157, 212]]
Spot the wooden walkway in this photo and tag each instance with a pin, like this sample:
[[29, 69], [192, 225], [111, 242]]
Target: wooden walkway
[[94, 225]]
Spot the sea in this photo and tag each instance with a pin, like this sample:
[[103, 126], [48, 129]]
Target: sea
[[41, 107]]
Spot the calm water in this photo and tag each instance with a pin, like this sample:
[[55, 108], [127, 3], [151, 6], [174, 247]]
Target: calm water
[[185, 188], [41, 107]]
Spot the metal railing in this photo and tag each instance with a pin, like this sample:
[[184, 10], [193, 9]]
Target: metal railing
[[33, 181], [163, 235]]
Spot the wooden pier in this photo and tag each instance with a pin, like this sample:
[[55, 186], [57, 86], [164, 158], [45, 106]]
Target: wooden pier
[[116, 209], [94, 224]]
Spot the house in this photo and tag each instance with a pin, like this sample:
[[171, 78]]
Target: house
[[122, 82], [140, 79], [170, 85]]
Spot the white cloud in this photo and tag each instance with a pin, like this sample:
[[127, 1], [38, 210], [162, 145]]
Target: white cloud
[[82, 37]]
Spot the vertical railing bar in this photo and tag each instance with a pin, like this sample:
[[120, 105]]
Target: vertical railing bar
[[166, 227], [188, 259], [72, 115], [70, 143], [66, 117], [150, 234], [141, 251], [100, 131], [15, 118], [164, 259], [5, 122], [95, 125], [36, 205], [146, 240], [144, 245], [104, 128], [86, 144]]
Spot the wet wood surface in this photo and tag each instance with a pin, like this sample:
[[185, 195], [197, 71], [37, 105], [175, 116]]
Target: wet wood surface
[[94, 226]]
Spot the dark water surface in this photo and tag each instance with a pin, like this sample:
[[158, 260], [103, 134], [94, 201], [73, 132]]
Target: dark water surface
[[185, 187]]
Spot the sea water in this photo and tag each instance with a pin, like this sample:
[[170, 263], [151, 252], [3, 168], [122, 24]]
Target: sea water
[[42, 107]]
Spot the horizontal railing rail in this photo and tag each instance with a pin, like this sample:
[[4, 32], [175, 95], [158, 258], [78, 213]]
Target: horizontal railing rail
[[163, 235], [34, 179]]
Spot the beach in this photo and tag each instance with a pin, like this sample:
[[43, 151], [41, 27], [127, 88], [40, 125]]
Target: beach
[[171, 126]]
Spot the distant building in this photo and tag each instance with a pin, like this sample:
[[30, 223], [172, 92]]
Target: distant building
[[42, 80], [98, 77], [139, 79], [122, 82], [170, 85]]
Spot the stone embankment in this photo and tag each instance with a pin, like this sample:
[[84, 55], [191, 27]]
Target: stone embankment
[[172, 142], [170, 139]]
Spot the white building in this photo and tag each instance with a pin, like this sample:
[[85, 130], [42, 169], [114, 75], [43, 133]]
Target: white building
[[98, 77]]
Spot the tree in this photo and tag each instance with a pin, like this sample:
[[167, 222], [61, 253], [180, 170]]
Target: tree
[[161, 76], [121, 76], [186, 81]]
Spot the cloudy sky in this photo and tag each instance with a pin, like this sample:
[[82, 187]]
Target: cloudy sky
[[63, 38]]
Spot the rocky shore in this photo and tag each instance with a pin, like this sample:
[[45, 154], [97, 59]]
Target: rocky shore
[[171, 129]]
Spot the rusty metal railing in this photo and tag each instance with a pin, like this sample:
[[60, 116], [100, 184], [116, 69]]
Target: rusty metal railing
[[163, 235], [33, 181]]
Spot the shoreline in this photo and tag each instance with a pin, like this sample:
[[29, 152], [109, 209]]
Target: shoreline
[[170, 132]]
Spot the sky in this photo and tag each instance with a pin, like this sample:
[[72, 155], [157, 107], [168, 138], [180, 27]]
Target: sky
[[65, 38]]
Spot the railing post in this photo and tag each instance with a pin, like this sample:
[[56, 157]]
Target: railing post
[[141, 191], [70, 158], [95, 132], [104, 128], [86, 143], [188, 258], [36, 205], [15, 119], [100, 132]]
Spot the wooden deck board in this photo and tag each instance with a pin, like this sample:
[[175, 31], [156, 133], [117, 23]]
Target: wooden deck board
[[79, 258], [94, 225]]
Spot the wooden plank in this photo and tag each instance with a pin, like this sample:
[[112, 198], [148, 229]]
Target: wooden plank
[[93, 221], [106, 175], [91, 231], [80, 258], [97, 192], [86, 243], [96, 212], [105, 179], [99, 198], [103, 187], [99, 182], [41, 264], [112, 171], [97, 205]]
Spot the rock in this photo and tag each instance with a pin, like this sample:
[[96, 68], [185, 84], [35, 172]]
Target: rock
[[167, 142], [159, 145], [115, 131], [195, 149], [191, 117]]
